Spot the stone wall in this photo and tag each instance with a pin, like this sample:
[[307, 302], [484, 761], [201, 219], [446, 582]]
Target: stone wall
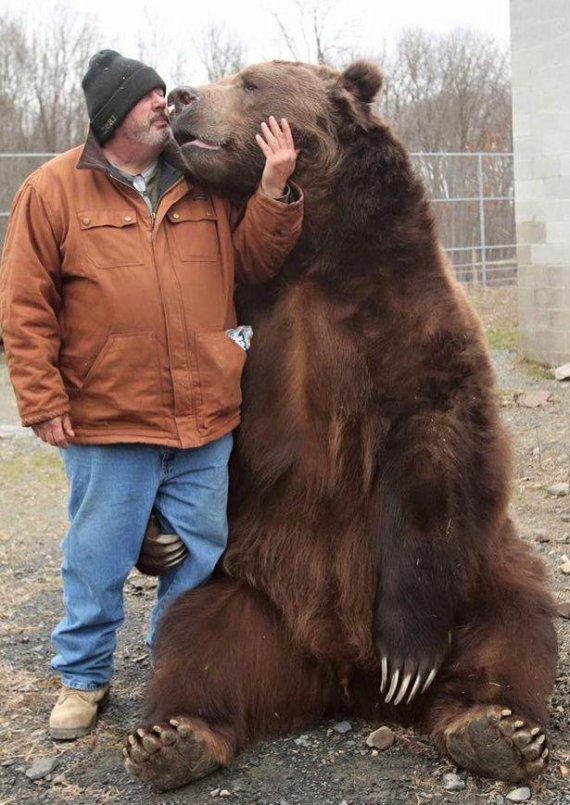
[[540, 41]]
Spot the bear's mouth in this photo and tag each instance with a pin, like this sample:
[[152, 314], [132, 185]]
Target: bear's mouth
[[208, 146]]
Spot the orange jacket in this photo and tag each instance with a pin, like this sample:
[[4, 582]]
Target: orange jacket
[[117, 316]]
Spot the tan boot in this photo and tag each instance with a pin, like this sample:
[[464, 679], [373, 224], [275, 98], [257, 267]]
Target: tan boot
[[75, 712]]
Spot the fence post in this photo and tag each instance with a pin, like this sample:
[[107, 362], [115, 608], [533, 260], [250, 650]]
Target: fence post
[[482, 220]]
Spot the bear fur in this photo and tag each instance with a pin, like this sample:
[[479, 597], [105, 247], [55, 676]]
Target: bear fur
[[372, 567]]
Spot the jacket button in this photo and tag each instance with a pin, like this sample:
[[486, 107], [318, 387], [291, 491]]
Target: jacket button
[[86, 221], [128, 219], [176, 216]]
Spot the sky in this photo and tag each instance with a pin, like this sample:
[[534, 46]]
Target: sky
[[368, 26]]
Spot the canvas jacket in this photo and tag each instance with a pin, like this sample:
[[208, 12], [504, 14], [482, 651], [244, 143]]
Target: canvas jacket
[[118, 316]]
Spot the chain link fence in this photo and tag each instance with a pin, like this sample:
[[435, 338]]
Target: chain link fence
[[473, 200], [472, 195]]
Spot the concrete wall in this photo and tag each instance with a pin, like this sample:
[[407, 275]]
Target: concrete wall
[[540, 41]]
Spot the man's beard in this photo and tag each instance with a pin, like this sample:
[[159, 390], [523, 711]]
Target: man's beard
[[147, 134]]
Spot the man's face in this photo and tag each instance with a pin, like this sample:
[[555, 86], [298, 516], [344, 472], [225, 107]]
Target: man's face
[[147, 122]]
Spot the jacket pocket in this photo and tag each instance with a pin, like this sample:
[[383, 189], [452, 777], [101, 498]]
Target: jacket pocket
[[123, 383], [195, 234], [220, 365], [110, 238]]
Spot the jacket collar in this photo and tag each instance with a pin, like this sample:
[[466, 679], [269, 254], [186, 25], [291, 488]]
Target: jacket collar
[[93, 158]]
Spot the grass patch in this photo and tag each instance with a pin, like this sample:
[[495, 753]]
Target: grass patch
[[538, 371], [499, 338], [497, 307], [39, 466]]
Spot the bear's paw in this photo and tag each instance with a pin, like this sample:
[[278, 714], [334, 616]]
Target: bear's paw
[[492, 742], [170, 754]]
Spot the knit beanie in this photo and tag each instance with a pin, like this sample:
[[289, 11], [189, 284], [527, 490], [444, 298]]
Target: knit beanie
[[112, 86]]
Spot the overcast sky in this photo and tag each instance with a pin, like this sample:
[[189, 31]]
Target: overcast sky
[[364, 25]]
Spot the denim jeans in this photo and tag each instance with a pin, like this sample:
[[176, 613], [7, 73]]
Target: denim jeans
[[112, 491]]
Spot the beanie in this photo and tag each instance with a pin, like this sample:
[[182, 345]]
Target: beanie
[[112, 86]]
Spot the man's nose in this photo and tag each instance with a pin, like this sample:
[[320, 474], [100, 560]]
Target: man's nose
[[182, 97]]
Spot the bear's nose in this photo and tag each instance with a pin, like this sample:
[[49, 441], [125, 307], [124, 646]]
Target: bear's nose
[[181, 97]]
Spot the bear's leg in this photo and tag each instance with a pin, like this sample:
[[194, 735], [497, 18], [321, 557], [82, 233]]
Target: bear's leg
[[488, 709], [226, 675]]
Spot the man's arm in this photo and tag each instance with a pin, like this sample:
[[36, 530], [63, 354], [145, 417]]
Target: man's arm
[[272, 222], [30, 301]]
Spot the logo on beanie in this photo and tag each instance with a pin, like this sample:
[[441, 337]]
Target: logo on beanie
[[108, 124]]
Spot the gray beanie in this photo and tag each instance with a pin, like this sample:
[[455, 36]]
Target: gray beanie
[[112, 86]]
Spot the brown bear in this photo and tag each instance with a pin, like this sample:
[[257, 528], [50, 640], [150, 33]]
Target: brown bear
[[372, 568]]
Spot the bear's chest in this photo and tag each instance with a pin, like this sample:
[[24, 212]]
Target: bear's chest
[[308, 355]]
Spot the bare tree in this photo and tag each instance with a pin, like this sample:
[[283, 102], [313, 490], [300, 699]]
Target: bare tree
[[14, 92], [220, 53], [58, 56], [449, 92], [311, 34]]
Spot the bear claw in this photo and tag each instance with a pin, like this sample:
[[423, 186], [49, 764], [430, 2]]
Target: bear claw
[[493, 743], [169, 755], [399, 693]]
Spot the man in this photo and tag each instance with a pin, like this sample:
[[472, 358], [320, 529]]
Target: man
[[117, 284]]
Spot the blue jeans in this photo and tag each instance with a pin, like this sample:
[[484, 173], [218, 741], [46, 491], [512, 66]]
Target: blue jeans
[[112, 491]]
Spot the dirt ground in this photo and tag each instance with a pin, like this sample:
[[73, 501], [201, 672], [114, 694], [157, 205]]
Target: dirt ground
[[326, 765]]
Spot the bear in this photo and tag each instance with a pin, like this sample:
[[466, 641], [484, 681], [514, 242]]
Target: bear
[[372, 569]]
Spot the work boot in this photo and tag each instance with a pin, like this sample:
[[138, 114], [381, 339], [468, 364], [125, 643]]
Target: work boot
[[75, 712]]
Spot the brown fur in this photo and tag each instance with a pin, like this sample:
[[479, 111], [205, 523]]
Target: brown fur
[[370, 486]]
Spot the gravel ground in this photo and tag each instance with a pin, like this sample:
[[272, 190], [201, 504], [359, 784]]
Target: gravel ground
[[332, 764]]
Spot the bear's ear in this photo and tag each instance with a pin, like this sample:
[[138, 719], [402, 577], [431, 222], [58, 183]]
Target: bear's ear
[[363, 79]]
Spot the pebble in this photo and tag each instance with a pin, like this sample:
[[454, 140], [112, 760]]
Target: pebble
[[59, 779], [559, 490], [565, 568], [342, 727], [225, 793], [381, 739], [562, 372], [541, 536], [302, 740], [41, 767], [564, 609], [453, 782], [519, 794]]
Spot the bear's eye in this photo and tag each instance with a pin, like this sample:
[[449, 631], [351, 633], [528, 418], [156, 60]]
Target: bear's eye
[[249, 86]]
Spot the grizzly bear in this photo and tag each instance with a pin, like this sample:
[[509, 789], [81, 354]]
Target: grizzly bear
[[372, 567]]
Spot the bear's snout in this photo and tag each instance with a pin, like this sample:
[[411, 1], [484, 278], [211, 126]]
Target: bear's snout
[[182, 97]]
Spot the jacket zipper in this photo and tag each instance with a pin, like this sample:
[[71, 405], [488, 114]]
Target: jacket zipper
[[162, 304]]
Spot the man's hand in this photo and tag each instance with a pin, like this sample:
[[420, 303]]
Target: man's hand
[[56, 431], [280, 154]]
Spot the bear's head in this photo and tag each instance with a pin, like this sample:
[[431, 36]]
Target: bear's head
[[363, 201], [215, 125]]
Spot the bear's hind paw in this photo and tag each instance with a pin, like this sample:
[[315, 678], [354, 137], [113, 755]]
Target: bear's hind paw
[[170, 754], [492, 742]]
